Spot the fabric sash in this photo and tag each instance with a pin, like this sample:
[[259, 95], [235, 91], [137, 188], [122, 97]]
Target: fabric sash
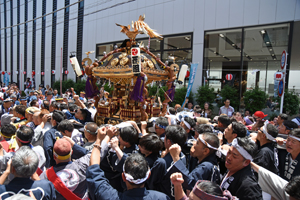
[[39, 171], [289, 170], [60, 186], [5, 146]]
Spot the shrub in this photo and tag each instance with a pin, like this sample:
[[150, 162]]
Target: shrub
[[290, 102], [205, 94], [65, 85], [230, 93], [179, 96], [153, 90], [79, 86], [255, 100]]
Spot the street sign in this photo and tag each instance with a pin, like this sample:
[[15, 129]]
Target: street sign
[[278, 76], [280, 88], [283, 60]]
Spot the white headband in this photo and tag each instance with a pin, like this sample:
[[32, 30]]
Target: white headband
[[241, 150], [186, 124], [138, 181], [206, 143], [269, 137], [296, 138], [219, 150]]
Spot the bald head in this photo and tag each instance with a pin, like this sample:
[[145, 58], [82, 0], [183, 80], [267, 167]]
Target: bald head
[[36, 119]]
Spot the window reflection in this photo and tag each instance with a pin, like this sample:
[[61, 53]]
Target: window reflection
[[251, 55], [178, 42]]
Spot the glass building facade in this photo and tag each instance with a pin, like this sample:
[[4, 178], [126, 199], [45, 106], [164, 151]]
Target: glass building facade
[[249, 56]]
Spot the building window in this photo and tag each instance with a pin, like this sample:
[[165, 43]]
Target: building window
[[33, 36], [251, 54], [43, 42], [53, 45], [11, 42], [66, 39], [79, 32], [18, 44], [25, 39]]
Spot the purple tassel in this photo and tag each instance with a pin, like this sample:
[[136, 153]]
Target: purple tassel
[[171, 92], [90, 89], [137, 92]]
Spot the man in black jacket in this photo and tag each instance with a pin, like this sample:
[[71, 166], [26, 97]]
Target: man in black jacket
[[240, 180]]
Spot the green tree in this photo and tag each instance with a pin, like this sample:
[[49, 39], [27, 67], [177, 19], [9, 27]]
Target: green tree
[[230, 93], [152, 90], [65, 85], [255, 100], [290, 102], [79, 86], [205, 94], [179, 96]]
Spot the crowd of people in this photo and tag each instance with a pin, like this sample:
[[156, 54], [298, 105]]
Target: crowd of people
[[51, 148]]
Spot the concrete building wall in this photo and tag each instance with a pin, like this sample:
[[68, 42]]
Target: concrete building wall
[[165, 16]]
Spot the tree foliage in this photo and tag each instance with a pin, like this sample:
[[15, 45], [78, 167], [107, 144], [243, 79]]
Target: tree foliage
[[78, 87], [179, 96], [205, 94], [231, 93], [290, 102], [255, 100], [65, 85], [153, 90]]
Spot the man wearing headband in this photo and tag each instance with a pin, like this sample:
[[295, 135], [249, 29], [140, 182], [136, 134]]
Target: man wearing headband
[[234, 130], [23, 137], [267, 156], [188, 124], [53, 106], [160, 126], [63, 128], [110, 165], [19, 115], [23, 101], [174, 135], [281, 118], [285, 128], [50, 137], [66, 128], [289, 160], [69, 178], [23, 165], [171, 115], [223, 123], [240, 180], [29, 115], [7, 131], [90, 134], [202, 190], [135, 173], [204, 149]]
